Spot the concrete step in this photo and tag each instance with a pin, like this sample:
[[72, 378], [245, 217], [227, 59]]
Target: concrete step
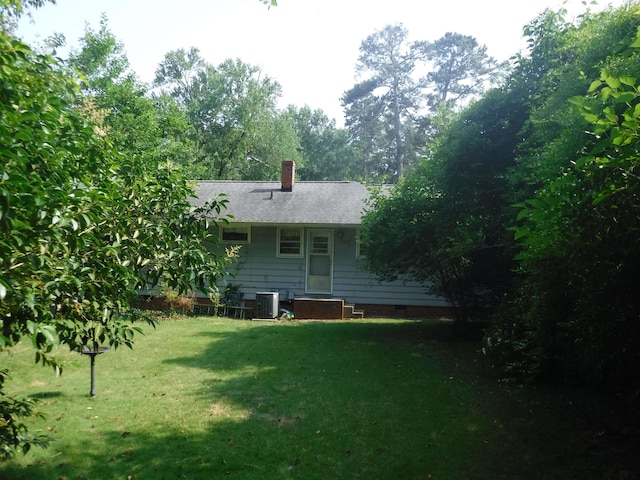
[[349, 311]]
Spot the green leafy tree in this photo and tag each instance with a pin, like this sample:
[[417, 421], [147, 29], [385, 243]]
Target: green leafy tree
[[366, 133], [401, 234], [12, 10], [150, 126], [381, 107], [459, 69], [326, 151], [178, 74], [237, 128], [83, 228], [101, 59], [572, 316], [445, 225], [394, 112]]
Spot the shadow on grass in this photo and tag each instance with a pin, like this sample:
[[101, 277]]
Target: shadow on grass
[[46, 395], [315, 401]]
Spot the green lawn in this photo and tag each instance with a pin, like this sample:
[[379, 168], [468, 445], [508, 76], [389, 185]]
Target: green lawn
[[203, 398]]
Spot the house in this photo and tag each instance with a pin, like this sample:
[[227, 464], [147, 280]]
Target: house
[[300, 239]]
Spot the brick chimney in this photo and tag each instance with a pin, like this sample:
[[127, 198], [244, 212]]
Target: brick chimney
[[288, 175]]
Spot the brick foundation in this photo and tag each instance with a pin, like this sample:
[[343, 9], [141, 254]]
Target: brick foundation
[[404, 311]]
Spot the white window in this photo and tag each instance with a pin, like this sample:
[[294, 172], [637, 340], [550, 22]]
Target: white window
[[289, 242], [235, 234]]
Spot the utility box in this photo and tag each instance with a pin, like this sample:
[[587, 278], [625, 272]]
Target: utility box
[[267, 304]]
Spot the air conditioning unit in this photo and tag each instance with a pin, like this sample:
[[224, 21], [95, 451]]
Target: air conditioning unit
[[267, 304]]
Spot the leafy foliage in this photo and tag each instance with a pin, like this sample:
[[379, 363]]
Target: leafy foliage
[[532, 192], [461, 69], [389, 113], [153, 127], [83, 227], [379, 108], [573, 314], [445, 224], [13, 431], [231, 108], [326, 151], [403, 236], [12, 10]]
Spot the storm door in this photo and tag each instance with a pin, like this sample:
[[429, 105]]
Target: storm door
[[320, 261]]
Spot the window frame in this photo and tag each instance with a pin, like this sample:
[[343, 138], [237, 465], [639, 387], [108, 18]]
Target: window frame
[[239, 229], [279, 253], [360, 255]]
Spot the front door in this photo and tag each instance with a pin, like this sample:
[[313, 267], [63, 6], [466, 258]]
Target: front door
[[320, 261]]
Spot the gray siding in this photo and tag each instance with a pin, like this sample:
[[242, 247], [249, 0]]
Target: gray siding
[[356, 285], [259, 269]]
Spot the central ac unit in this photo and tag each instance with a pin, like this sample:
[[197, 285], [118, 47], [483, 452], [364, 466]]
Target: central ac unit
[[267, 304]]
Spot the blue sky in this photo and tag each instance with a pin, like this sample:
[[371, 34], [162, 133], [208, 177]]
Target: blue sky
[[309, 46]]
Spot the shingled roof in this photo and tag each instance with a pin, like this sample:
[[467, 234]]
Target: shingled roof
[[309, 203]]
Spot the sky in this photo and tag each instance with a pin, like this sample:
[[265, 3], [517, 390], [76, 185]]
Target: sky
[[310, 47]]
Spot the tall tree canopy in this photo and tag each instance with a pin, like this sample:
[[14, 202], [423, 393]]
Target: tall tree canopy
[[113, 96], [380, 108], [459, 69], [389, 111], [237, 128], [325, 149]]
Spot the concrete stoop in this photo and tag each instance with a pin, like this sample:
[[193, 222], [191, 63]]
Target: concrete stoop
[[324, 309]]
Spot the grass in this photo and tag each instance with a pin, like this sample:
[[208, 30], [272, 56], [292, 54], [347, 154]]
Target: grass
[[202, 398]]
